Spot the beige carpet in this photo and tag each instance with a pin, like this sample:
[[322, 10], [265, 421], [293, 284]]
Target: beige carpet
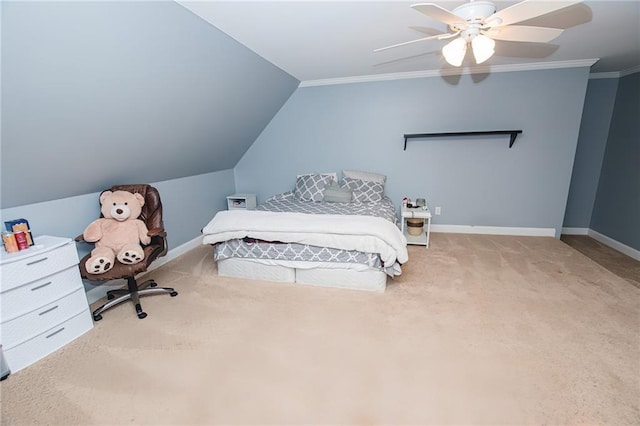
[[619, 263], [478, 330]]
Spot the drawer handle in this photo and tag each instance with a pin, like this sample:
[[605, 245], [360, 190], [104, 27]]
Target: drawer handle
[[55, 332], [41, 286], [37, 261], [48, 310]]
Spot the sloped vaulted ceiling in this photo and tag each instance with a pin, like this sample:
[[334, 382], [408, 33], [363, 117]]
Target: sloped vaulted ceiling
[[97, 93]]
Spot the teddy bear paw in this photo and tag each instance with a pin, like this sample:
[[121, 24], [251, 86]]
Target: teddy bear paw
[[130, 257], [99, 265]]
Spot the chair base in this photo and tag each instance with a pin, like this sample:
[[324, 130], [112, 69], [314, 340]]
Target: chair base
[[133, 293]]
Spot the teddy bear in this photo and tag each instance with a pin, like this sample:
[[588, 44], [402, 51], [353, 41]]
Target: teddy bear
[[118, 234]]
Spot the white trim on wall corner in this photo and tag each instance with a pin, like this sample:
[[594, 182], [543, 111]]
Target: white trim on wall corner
[[602, 75], [616, 245], [486, 69], [494, 230], [575, 231], [607, 241], [630, 71], [614, 74]]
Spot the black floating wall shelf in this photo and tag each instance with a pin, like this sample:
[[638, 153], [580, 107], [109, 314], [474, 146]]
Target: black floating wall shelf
[[513, 133]]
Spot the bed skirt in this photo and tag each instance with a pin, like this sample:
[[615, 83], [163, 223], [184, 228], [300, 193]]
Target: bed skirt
[[368, 280]]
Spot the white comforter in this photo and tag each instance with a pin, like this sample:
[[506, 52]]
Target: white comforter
[[363, 233]]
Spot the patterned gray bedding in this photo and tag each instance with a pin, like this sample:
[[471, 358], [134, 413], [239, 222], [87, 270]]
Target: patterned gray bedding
[[287, 202], [248, 248], [255, 249]]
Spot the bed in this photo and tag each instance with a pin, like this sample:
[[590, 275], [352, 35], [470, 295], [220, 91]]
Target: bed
[[321, 233]]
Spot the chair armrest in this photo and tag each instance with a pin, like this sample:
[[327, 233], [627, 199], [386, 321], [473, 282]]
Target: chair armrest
[[156, 232]]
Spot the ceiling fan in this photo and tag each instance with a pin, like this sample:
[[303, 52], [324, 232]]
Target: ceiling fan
[[479, 24]]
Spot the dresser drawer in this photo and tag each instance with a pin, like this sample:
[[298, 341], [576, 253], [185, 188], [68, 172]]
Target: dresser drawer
[[30, 325], [39, 265], [47, 342], [28, 297]]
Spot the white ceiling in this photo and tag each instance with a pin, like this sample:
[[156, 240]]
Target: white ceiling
[[319, 40]]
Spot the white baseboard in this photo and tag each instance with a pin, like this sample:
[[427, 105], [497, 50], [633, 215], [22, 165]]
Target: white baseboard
[[175, 252], [99, 291], [575, 231], [607, 241], [616, 245], [494, 230]]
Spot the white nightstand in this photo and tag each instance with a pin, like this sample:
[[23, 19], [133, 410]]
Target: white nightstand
[[241, 201], [416, 213]]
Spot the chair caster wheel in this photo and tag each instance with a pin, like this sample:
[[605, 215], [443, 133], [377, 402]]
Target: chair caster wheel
[[173, 293], [97, 317], [153, 284], [142, 315]]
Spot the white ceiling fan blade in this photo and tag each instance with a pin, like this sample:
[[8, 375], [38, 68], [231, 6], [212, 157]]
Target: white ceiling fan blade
[[526, 9], [523, 33], [435, 37], [443, 15], [425, 30]]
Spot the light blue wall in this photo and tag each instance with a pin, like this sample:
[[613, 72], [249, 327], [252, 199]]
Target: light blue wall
[[616, 212], [95, 93], [476, 181], [188, 205], [594, 130]]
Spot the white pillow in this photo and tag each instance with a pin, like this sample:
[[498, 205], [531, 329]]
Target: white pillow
[[333, 175], [366, 176]]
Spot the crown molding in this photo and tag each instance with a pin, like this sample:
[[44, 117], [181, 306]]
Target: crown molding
[[450, 71], [602, 75], [615, 74], [630, 71]]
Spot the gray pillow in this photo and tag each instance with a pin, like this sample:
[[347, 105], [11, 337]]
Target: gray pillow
[[364, 191], [333, 193], [311, 187]]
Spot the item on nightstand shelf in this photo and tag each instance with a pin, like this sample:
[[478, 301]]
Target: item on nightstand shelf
[[415, 226]]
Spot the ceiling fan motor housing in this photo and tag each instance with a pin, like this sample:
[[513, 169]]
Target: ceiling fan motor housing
[[473, 12]]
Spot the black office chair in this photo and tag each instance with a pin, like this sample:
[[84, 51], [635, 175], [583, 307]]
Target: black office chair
[[152, 216]]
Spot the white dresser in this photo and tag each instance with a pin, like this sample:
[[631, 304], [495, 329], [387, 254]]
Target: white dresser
[[43, 305]]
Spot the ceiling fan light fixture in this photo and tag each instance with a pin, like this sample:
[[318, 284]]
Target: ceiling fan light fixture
[[483, 48], [454, 51], [478, 23]]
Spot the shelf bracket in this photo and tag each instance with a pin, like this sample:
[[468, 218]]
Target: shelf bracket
[[512, 133]]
